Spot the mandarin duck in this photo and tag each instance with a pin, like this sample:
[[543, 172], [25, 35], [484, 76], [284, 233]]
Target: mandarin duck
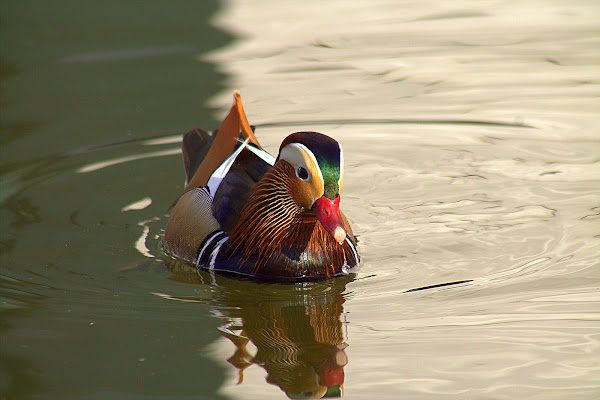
[[245, 212]]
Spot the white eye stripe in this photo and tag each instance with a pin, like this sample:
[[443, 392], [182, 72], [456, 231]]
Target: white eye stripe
[[298, 157]]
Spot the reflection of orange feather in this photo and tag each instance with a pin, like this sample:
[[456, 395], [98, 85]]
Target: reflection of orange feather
[[224, 144]]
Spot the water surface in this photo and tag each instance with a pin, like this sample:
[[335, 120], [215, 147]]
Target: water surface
[[471, 137]]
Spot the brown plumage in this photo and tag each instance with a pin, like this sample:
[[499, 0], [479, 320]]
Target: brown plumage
[[264, 232], [252, 217]]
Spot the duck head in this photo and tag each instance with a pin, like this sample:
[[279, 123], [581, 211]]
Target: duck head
[[318, 164]]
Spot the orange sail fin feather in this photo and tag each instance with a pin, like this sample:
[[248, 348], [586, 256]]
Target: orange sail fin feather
[[247, 212], [246, 130], [224, 143]]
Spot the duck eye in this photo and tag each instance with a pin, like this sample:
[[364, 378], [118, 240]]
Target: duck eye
[[302, 173]]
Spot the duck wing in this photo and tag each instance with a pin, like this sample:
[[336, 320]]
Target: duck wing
[[233, 190], [223, 144], [221, 171]]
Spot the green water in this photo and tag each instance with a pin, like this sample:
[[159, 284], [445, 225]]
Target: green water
[[76, 77]]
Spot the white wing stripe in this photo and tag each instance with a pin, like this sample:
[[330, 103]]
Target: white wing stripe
[[266, 157], [214, 253], [217, 176], [215, 179], [206, 244]]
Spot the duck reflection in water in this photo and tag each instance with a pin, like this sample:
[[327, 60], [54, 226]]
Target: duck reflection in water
[[297, 331]]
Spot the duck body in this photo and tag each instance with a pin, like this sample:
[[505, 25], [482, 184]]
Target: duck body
[[246, 212]]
